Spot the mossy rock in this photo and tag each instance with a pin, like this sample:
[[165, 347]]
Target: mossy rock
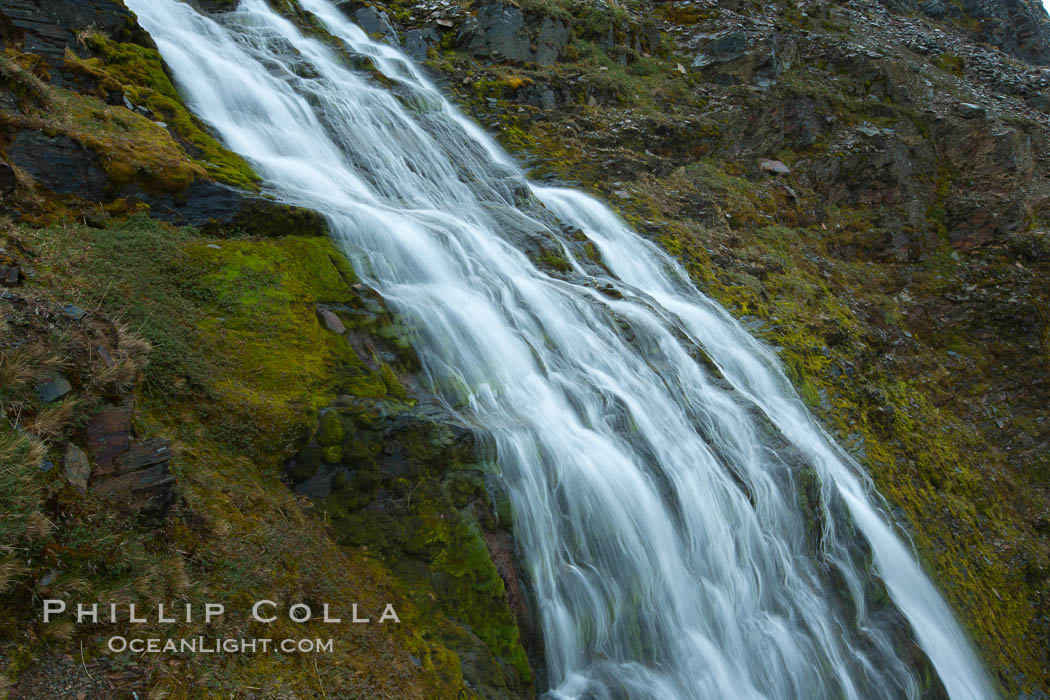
[[138, 72]]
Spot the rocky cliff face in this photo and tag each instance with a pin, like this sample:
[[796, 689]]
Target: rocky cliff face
[[864, 183]]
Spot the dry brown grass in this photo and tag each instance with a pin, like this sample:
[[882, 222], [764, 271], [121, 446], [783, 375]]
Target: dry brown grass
[[118, 372], [52, 420], [11, 569], [17, 453], [20, 490], [27, 363], [23, 81]]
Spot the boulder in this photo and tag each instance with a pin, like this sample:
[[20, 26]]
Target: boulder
[[53, 389], [773, 166], [331, 321]]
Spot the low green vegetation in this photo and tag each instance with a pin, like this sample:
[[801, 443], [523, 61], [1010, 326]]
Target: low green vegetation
[[234, 365]]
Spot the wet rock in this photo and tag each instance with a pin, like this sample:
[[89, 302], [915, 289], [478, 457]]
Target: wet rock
[[504, 32], [59, 163], [214, 207], [501, 549], [418, 42], [76, 467], [53, 389], [375, 22], [331, 321]]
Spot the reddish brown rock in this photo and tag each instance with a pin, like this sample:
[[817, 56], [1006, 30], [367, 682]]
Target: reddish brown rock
[[108, 435], [146, 489], [143, 454]]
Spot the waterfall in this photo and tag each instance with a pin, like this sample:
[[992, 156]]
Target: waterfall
[[656, 456]]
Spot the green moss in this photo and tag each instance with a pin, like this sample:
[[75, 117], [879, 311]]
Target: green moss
[[217, 318], [950, 63], [130, 147], [554, 260], [471, 583], [331, 430], [139, 73]]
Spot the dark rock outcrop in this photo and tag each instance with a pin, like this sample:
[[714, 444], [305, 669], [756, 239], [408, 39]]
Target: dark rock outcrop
[[60, 164], [48, 28], [735, 55], [376, 23], [217, 208], [418, 42], [505, 33]]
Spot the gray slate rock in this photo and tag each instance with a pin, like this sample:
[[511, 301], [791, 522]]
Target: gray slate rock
[[773, 166], [144, 454], [418, 42], [74, 312], [54, 389], [376, 22], [504, 32]]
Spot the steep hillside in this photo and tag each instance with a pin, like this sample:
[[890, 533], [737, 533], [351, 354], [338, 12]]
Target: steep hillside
[[864, 183], [202, 405], [866, 186]]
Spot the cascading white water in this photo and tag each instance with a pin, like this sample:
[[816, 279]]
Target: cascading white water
[[656, 495]]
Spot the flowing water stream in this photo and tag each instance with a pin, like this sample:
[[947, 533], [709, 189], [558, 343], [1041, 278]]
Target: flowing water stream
[[657, 458]]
